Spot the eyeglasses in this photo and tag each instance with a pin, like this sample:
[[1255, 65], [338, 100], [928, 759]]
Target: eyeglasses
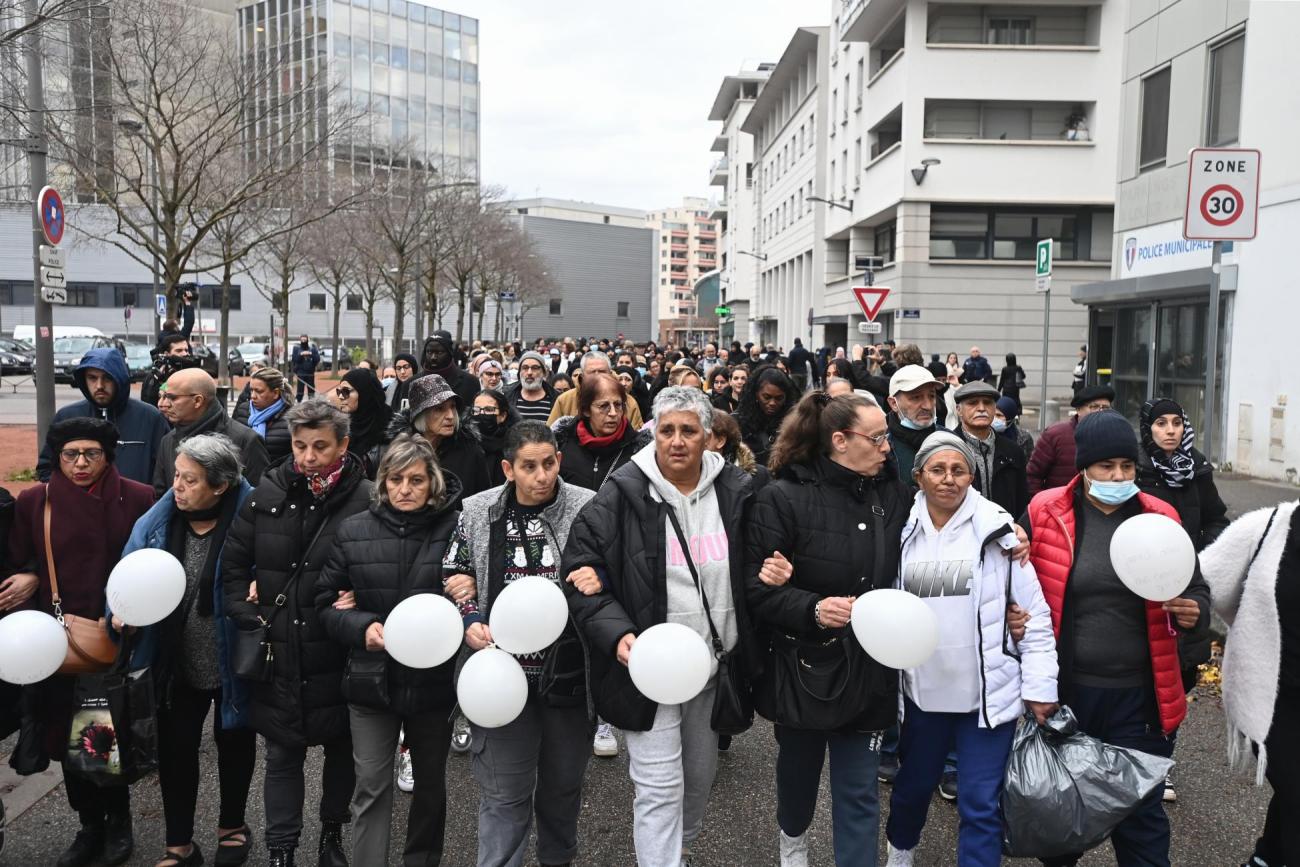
[[1096, 407], [607, 407], [530, 368], [876, 439], [70, 456], [938, 474], [343, 392], [169, 396], [484, 410]]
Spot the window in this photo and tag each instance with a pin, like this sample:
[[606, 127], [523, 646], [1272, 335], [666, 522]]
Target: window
[[83, 296], [128, 296], [210, 297], [354, 302], [557, 307], [6, 293], [958, 234], [1011, 234], [1224, 110], [1015, 236], [623, 307], [884, 241], [1003, 30], [1155, 120], [316, 301]]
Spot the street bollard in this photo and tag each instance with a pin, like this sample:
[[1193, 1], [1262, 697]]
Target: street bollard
[[1051, 413]]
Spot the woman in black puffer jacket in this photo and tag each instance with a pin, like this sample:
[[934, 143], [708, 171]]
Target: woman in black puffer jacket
[[825, 530], [380, 557], [268, 400], [599, 439]]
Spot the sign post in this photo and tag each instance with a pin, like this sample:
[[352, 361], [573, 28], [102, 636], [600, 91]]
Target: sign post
[[1222, 205], [1043, 283]]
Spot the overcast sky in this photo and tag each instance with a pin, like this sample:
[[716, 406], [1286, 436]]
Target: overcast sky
[[608, 100]]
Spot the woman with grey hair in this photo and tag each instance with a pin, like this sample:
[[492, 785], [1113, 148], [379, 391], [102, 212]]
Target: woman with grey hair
[[662, 541], [189, 651], [435, 414], [391, 552]]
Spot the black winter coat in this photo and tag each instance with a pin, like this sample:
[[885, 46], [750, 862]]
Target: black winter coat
[[620, 534], [252, 451], [1010, 488], [278, 442], [587, 467], [820, 517], [303, 704], [384, 556]]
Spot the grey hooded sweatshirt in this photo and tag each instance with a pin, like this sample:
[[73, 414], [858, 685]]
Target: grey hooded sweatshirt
[[706, 535]]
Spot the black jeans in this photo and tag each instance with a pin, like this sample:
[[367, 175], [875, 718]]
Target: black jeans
[[284, 789], [1281, 841], [180, 734], [306, 384], [92, 803]]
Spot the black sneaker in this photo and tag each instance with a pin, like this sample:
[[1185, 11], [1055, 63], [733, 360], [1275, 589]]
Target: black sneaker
[[948, 786], [119, 840], [330, 851], [888, 769], [85, 847]]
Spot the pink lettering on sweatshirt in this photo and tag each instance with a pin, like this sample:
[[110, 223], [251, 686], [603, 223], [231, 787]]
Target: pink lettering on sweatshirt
[[705, 548]]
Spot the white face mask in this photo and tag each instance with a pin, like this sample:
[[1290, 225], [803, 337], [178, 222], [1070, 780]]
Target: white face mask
[[999, 424]]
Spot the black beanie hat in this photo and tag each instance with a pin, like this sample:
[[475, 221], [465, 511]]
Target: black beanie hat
[[1164, 406], [83, 428], [1087, 395], [1101, 436]]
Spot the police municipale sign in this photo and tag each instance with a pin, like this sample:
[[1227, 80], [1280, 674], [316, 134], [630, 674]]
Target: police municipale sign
[[1222, 194]]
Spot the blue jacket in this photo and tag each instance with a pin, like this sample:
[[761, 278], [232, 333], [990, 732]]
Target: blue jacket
[[151, 532], [303, 362], [140, 427]]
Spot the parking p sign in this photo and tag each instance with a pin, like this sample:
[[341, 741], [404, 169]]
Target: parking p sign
[[1222, 194]]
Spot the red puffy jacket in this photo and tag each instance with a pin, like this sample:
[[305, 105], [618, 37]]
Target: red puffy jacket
[[1051, 518]]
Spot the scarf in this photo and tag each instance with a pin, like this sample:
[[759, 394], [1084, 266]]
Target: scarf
[[911, 438], [257, 418], [588, 440], [320, 484], [1176, 469], [224, 513]]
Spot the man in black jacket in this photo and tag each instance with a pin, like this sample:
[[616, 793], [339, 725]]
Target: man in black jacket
[[803, 366], [437, 358], [270, 565], [303, 364], [1000, 463], [189, 401]]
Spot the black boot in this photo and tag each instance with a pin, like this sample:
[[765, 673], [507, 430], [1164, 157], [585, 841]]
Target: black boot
[[85, 846], [280, 857], [118, 840], [330, 853]]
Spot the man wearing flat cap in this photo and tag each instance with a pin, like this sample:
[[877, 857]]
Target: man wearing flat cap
[[999, 463], [1052, 464]]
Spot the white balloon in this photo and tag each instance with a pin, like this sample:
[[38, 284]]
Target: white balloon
[[528, 615], [670, 663], [492, 689], [32, 646], [895, 628], [145, 586], [423, 631], [1153, 556]]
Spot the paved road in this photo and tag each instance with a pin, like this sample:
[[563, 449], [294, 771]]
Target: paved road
[[1215, 822]]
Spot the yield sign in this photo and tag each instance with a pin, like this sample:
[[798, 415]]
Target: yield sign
[[871, 299]]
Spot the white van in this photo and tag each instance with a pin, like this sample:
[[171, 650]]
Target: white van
[[27, 333]]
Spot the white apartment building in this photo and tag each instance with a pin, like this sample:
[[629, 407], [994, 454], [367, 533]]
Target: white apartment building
[[737, 220], [688, 249], [787, 121], [1219, 74], [956, 135]]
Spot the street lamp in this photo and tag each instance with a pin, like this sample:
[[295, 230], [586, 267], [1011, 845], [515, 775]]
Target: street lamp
[[918, 175], [829, 203], [762, 257], [136, 128]]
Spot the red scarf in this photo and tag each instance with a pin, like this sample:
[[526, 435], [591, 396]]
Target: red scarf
[[588, 440], [320, 483]]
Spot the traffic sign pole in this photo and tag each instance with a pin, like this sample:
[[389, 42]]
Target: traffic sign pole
[[42, 313], [1043, 283], [1212, 353]]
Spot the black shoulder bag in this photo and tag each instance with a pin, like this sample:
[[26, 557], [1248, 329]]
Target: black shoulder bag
[[253, 657], [733, 704]]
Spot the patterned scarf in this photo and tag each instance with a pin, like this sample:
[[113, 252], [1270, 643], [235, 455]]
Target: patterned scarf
[[320, 484], [1176, 469]]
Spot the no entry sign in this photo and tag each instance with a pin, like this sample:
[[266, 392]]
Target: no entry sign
[[1222, 194]]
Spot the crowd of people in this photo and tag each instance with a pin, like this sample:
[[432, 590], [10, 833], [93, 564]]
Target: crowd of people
[[746, 494]]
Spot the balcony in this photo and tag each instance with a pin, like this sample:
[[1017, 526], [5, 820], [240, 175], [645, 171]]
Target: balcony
[[719, 144], [719, 211], [719, 173], [864, 20], [1008, 121], [1010, 27]]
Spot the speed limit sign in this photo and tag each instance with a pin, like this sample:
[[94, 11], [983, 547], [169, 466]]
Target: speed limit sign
[[1222, 194]]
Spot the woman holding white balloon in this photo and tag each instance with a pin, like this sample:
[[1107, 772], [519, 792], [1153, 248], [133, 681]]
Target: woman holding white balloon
[[1120, 594], [664, 534], [187, 649], [823, 532], [384, 557], [89, 510], [505, 560], [957, 558]]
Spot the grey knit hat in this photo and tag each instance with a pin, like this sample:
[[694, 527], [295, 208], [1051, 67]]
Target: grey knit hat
[[940, 441], [535, 356]]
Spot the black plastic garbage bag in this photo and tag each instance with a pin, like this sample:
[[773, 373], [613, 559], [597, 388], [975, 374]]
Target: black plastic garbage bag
[[1065, 791]]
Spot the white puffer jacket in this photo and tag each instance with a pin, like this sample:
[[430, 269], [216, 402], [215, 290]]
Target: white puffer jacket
[[1010, 672]]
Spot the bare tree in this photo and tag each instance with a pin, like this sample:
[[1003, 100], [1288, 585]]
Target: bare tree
[[332, 262], [275, 265], [472, 220]]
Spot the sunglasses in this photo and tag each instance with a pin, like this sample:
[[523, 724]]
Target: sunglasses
[[343, 392]]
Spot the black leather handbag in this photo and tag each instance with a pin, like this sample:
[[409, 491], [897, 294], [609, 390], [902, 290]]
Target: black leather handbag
[[365, 678], [733, 701]]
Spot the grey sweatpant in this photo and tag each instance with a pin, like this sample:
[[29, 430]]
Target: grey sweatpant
[[672, 767], [535, 763]]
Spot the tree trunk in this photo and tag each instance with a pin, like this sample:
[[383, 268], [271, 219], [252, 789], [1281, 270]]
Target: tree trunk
[[338, 296], [370, 329], [399, 310], [223, 367], [462, 293]]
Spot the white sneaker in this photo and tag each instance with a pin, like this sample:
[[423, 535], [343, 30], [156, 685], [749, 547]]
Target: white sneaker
[[794, 850], [461, 736], [605, 744], [1170, 796], [899, 857], [405, 773]]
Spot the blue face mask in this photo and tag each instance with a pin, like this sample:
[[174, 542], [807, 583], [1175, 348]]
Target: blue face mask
[[1112, 493], [911, 425], [999, 425]]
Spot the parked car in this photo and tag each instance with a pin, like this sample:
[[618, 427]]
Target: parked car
[[138, 361], [68, 352], [327, 358], [253, 353], [16, 357], [207, 356]]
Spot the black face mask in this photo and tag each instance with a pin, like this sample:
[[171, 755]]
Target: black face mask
[[487, 424]]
